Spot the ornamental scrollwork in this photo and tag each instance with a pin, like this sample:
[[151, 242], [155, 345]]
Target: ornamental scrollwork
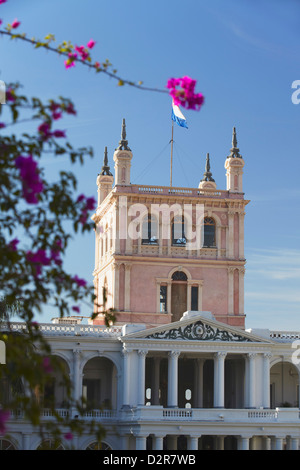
[[199, 331]]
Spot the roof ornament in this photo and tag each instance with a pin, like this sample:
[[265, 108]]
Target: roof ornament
[[207, 176], [234, 151], [123, 143], [105, 169]]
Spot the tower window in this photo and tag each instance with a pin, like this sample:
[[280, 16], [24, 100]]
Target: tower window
[[194, 299], [163, 299], [178, 232], [209, 232], [149, 231]]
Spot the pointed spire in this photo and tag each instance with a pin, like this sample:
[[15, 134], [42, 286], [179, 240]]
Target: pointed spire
[[123, 143], [207, 176], [234, 151], [105, 169]]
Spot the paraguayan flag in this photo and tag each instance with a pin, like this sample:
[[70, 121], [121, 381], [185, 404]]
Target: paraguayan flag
[[178, 117]]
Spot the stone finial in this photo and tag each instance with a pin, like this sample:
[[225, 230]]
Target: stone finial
[[123, 143], [207, 176], [234, 151], [105, 169]]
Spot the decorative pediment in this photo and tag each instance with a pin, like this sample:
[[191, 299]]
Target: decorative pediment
[[199, 331]]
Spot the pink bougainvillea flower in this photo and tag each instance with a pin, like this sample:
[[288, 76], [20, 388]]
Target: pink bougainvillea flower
[[44, 130], [185, 96], [1, 22], [38, 259], [68, 436], [47, 365], [76, 309], [4, 416], [91, 43], [32, 185], [15, 24], [82, 52], [58, 133], [10, 95], [2, 125], [97, 65], [70, 62], [56, 116], [13, 244], [70, 109], [2, 1], [78, 281]]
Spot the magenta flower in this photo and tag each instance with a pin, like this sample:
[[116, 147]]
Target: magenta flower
[[47, 365], [4, 416], [56, 116], [78, 281], [10, 95], [38, 259], [70, 109], [185, 96], [13, 244], [82, 52], [76, 309], [2, 125], [70, 62], [15, 24], [59, 133], [68, 436], [2, 1], [44, 130], [31, 183], [91, 43]]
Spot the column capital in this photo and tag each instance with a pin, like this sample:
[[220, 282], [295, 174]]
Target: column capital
[[142, 352], [174, 354], [220, 354]]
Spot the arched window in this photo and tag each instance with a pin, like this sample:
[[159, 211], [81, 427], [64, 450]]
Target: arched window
[[149, 231], [179, 276], [178, 232], [209, 232]]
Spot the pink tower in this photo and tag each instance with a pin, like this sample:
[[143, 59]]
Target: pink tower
[[162, 251]]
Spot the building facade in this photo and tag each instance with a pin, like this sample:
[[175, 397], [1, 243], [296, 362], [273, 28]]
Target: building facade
[[178, 369]]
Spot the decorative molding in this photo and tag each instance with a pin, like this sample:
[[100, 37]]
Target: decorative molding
[[199, 331]]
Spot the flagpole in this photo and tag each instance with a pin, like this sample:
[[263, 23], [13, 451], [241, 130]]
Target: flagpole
[[171, 164]]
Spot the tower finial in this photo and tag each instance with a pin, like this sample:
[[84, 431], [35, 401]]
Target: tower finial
[[123, 143], [105, 169], [207, 176], [234, 151]]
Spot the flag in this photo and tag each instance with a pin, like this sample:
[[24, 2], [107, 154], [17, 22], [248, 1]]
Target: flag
[[178, 117]]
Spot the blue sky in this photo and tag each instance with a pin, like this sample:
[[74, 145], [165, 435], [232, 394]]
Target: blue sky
[[244, 56]]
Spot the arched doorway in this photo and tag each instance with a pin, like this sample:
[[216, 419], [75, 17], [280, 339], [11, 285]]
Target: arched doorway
[[178, 295], [284, 385], [99, 387]]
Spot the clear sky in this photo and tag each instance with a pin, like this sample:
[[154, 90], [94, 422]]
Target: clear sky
[[244, 55]]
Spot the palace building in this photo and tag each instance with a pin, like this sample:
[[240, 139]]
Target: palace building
[[177, 369]]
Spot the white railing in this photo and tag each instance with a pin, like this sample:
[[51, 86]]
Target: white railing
[[285, 336], [69, 329]]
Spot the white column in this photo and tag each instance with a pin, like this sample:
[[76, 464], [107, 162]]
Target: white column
[[126, 377], [220, 442], [294, 443], [192, 442], [266, 380], [279, 443], [77, 387], [219, 379], [199, 363], [251, 381], [26, 441], [141, 376], [158, 442], [155, 381], [173, 378], [244, 443], [140, 442], [169, 297]]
